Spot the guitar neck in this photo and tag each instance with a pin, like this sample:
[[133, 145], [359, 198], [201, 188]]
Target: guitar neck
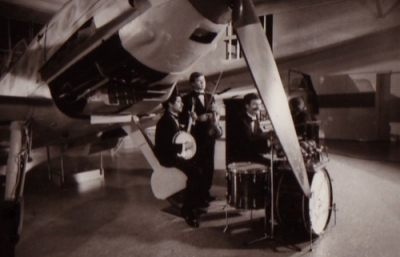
[[190, 123]]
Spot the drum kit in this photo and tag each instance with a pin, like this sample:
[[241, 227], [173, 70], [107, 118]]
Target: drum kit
[[251, 186]]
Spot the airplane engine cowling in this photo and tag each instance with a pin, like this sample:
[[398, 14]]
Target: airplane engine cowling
[[105, 81]]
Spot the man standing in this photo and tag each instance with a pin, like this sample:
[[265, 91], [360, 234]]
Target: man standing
[[167, 151], [204, 110]]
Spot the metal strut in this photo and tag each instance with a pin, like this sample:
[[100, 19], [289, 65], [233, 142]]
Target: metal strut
[[20, 145], [11, 209]]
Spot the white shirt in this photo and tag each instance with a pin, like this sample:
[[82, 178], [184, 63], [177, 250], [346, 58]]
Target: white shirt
[[254, 118], [201, 97]]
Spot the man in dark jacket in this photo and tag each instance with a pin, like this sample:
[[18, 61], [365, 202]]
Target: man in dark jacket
[[167, 151], [250, 141], [204, 111], [300, 116]]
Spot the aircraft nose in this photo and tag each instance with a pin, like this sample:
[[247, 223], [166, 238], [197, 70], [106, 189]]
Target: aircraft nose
[[217, 11]]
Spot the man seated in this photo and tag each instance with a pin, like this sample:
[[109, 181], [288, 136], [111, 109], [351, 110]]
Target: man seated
[[306, 130], [300, 116], [251, 143], [167, 153]]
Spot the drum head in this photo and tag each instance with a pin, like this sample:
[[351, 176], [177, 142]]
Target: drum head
[[182, 137], [320, 201], [247, 167]]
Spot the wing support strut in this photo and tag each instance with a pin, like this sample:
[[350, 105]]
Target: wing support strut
[[11, 211]]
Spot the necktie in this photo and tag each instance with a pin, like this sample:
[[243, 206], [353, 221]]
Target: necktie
[[201, 97], [256, 126]]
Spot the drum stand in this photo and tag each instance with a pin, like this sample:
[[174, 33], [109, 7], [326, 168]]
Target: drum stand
[[225, 208], [271, 239]]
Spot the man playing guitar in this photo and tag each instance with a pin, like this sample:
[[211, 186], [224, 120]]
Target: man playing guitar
[[169, 152]]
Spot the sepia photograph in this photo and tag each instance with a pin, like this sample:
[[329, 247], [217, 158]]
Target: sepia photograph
[[197, 128]]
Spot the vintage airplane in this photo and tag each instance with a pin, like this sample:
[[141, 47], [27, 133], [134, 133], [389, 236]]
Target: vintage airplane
[[97, 63]]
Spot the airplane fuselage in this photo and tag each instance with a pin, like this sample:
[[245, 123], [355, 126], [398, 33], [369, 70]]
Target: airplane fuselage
[[108, 57], [98, 51]]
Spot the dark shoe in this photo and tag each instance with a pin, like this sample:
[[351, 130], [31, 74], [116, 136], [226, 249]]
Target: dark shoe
[[210, 198], [190, 219]]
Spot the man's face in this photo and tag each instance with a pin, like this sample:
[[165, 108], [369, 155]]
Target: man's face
[[177, 106], [199, 84], [300, 105], [297, 106], [254, 107]]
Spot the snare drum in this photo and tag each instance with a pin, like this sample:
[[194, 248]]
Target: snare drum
[[247, 185], [296, 210]]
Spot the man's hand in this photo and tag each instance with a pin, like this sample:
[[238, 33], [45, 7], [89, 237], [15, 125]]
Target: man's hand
[[194, 116], [203, 117], [214, 108], [188, 145]]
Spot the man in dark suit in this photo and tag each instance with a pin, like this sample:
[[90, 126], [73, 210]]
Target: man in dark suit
[[250, 141], [204, 110], [300, 116], [167, 154]]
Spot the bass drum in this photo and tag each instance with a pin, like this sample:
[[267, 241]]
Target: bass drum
[[295, 210]]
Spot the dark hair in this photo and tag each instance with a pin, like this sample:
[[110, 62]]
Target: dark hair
[[249, 97], [295, 102], [171, 99], [194, 76]]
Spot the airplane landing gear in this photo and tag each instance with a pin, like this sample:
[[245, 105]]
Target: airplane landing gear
[[10, 219], [11, 207]]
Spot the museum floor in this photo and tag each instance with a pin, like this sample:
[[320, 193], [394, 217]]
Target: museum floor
[[119, 216]]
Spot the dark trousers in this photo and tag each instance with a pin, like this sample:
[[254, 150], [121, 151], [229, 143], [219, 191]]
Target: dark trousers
[[194, 184], [204, 159]]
